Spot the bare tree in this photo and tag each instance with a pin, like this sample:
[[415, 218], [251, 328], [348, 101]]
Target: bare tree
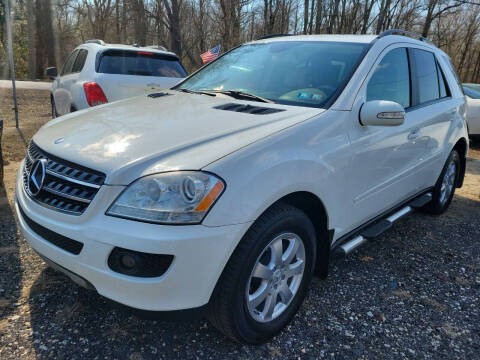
[[140, 22], [98, 13], [45, 39], [436, 8], [171, 18], [190, 27], [30, 38]]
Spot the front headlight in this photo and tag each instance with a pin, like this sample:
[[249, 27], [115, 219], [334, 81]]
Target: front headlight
[[181, 197]]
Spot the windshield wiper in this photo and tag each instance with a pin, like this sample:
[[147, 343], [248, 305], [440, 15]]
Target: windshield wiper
[[243, 95], [188, 91]]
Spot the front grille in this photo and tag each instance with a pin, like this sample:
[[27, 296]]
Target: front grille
[[67, 187]]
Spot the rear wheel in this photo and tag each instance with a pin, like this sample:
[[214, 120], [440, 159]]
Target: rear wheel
[[445, 187], [266, 278]]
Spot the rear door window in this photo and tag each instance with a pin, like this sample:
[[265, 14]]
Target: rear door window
[[391, 79], [142, 63], [426, 76], [67, 67], [444, 90], [80, 61], [450, 66]]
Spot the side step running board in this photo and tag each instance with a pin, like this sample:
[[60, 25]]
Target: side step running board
[[380, 226], [421, 201], [351, 245]]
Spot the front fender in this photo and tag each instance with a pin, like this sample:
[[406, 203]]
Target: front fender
[[297, 160]]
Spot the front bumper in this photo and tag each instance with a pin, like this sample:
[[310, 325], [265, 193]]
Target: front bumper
[[200, 252]]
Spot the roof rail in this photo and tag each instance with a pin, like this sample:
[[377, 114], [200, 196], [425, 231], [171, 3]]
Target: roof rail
[[95, 41], [404, 33], [273, 36]]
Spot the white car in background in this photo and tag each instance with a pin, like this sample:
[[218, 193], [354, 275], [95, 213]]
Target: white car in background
[[472, 94], [96, 73]]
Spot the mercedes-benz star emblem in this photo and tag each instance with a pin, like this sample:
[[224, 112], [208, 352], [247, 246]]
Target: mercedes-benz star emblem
[[37, 177]]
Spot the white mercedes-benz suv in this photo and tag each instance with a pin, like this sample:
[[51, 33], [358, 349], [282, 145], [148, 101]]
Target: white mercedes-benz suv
[[229, 191], [96, 73]]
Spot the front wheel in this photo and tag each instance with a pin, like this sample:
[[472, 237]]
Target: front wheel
[[266, 278], [445, 187]]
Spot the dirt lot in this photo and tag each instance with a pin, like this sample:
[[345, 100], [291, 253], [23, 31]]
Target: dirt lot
[[413, 293]]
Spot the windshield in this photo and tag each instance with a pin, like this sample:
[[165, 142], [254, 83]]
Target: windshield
[[306, 73], [143, 63]]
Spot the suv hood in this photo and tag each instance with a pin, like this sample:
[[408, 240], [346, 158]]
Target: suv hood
[[145, 135]]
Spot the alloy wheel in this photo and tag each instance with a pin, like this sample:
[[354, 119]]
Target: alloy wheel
[[276, 277], [448, 182]]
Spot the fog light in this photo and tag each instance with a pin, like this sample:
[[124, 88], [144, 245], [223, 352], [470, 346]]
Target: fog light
[[139, 264], [127, 261]]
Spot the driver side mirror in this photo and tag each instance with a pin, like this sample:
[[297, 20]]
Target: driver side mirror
[[382, 113], [51, 72]]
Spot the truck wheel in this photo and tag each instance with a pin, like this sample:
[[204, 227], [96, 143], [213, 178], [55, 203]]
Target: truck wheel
[[267, 277], [445, 187]]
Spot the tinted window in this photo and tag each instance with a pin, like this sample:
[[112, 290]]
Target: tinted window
[[471, 93], [67, 67], [442, 83], [449, 63], [140, 63], [391, 79], [305, 73], [426, 75], [80, 61]]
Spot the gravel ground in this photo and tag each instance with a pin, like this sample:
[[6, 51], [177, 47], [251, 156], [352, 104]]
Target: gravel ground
[[413, 293]]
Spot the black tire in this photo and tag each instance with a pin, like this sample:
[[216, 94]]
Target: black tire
[[54, 108], [228, 310], [438, 205]]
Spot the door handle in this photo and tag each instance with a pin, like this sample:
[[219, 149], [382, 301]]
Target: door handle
[[414, 133]]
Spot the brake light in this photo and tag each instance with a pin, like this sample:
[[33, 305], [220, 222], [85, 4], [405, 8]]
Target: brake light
[[94, 94], [145, 53]]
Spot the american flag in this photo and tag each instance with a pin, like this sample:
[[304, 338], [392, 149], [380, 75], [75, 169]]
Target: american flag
[[211, 54]]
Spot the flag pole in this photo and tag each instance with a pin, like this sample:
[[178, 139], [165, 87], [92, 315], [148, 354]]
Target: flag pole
[[10, 57]]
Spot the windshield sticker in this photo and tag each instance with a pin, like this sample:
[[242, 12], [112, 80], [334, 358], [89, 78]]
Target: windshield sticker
[[305, 95]]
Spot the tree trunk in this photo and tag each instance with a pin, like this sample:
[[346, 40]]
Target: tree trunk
[[140, 22], [117, 21], [333, 18], [40, 45], [175, 27], [124, 21], [310, 24], [366, 15], [305, 17], [319, 18], [49, 36], [429, 17], [382, 16], [31, 39]]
